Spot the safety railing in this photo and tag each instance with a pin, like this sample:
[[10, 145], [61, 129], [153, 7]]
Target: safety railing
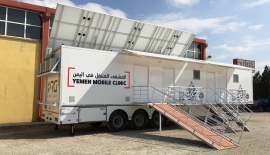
[[200, 114], [141, 94]]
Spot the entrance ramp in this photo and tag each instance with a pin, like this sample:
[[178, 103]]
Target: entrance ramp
[[204, 132], [190, 114]]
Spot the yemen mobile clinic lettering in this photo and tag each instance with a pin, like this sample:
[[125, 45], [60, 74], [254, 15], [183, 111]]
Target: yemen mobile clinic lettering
[[99, 79]]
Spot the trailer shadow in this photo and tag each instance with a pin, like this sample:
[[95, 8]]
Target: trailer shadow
[[148, 136], [152, 136]]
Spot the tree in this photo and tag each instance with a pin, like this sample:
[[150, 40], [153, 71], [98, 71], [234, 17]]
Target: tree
[[256, 85], [265, 83]]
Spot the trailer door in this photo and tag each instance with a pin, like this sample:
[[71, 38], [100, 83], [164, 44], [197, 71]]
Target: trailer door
[[210, 80], [222, 81], [168, 80], [140, 79], [210, 83]]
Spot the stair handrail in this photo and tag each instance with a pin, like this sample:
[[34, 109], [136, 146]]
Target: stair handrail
[[198, 121], [192, 99], [215, 93], [211, 105], [239, 101], [189, 106], [225, 101], [252, 113]]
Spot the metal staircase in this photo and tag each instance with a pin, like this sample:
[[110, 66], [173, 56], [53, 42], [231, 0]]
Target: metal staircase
[[234, 114], [191, 114], [234, 100]]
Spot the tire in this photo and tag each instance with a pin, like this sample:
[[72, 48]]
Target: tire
[[154, 122], [261, 108], [95, 124], [139, 120], [117, 121]]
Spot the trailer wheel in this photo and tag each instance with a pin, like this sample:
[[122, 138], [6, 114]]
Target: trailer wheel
[[154, 122], [139, 120], [261, 109], [95, 124], [117, 121]]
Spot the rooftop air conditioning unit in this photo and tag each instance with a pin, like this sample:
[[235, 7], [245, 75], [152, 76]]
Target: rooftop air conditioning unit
[[47, 52], [40, 69], [44, 66], [50, 64]]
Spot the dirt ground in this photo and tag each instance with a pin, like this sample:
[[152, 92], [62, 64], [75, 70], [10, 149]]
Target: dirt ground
[[43, 139]]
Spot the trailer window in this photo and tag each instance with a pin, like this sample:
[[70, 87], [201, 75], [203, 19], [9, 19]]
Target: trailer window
[[235, 78], [196, 74]]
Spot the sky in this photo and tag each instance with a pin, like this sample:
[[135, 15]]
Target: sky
[[232, 28]]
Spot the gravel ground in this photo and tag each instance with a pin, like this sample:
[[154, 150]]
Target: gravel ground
[[43, 139]]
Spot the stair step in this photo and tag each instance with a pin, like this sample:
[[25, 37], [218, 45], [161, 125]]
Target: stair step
[[230, 116]]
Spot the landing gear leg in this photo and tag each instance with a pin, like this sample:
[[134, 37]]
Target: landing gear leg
[[160, 122], [56, 127], [71, 130]]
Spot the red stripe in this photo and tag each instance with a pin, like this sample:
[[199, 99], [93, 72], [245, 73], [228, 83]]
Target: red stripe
[[69, 68], [128, 80]]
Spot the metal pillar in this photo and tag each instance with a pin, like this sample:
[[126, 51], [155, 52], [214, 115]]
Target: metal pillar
[[71, 130], [160, 122], [56, 127]]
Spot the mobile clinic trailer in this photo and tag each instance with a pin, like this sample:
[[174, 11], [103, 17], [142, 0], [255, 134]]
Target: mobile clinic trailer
[[100, 68]]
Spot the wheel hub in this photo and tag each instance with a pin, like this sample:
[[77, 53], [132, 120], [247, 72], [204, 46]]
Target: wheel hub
[[139, 120], [118, 121], [156, 119]]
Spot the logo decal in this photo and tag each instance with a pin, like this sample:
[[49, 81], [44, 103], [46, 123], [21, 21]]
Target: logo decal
[[83, 77], [191, 91]]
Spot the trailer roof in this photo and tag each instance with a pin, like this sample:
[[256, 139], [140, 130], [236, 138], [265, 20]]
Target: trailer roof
[[158, 56], [83, 28]]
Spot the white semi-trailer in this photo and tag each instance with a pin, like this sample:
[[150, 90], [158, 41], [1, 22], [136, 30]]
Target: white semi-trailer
[[100, 68], [100, 86]]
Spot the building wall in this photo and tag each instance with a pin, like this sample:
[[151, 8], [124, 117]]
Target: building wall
[[19, 87]]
